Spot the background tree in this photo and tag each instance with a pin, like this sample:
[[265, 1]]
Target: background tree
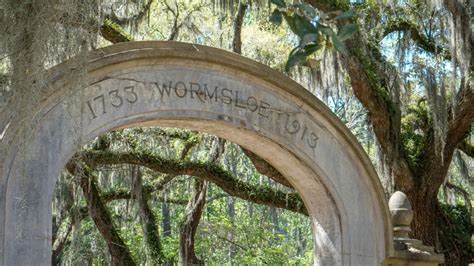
[[410, 65]]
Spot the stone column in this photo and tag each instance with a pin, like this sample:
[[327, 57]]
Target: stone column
[[408, 251]]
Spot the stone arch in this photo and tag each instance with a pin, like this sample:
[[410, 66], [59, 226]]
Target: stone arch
[[211, 90]]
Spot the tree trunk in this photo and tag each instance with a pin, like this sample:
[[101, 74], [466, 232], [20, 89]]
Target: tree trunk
[[237, 41], [150, 230], [101, 217], [250, 209], [188, 229], [275, 221], [61, 243], [301, 242], [166, 223], [426, 212], [231, 215]]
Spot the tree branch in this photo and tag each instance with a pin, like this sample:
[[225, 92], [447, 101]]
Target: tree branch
[[206, 170], [126, 194], [371, 83], [176, 26], [60, 243], [113, 32], [463, 169], [464, 194], [98, 212], [76, 215], [462, 121], [457, 129], [329, 5], [264, 168], [422, 41]]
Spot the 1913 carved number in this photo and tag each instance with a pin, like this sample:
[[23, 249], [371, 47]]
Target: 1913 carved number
[[116, 98]]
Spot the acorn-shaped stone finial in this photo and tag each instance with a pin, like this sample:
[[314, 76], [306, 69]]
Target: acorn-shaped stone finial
[[402, 215]]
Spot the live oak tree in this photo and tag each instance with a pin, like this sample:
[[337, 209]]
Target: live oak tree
[[419, 105]]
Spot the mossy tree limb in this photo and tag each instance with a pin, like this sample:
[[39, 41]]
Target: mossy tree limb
[[113, 32], [264, 168], [147, 218], [209, 171]]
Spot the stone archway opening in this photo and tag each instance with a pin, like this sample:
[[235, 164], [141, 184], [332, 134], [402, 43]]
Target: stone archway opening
[[156, 154], [209, 90]]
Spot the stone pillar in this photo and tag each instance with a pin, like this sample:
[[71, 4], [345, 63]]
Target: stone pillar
[[408, 251]]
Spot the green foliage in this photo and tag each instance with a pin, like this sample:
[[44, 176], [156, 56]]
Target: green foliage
[[131, 234], [87, 247], [279, 3], [413, 127], [298, 55], [345, 14], [170, 247], [251, 238], [346, 31], [276, 17], [455, 234], [312, 32]]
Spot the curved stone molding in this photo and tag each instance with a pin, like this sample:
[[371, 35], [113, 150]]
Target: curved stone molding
[[206, 89]]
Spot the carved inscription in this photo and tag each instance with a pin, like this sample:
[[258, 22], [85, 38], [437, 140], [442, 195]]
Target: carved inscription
[[114, 98], [294, 128], [205, 94]]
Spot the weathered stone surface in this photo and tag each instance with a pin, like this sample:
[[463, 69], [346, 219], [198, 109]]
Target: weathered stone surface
[[399, 201], [408, 251], [206, 89], [402, 215]]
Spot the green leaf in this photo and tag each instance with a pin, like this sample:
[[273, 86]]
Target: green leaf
[[299, 25], [312, 48], [307, 9], [309, 38], [297, 56], [325, 29], [346, 31], [339, 45], [276, 17], [279, 3], [347, 14]]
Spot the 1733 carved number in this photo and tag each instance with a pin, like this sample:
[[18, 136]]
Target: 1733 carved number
[[116, 98]]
